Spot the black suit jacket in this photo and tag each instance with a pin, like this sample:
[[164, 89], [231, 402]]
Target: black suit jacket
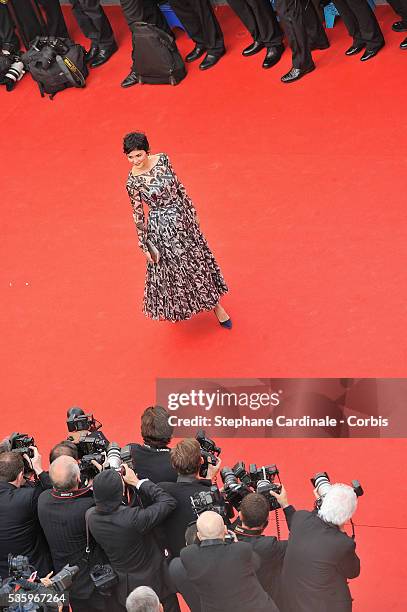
[[63, 522], [172, 532], [151, 463], [224, 576], [20, 530], [318, 561], [127, 539]]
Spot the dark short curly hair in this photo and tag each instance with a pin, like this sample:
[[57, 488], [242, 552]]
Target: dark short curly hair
[[135, 141]]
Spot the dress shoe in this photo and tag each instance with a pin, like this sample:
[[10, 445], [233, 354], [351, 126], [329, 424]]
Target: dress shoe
[[91, 54], [130, 80], [399, 26], [354, 49], [195, 54], [273, 56], [252, 49], [403, 44], [369, 54], [320, 47], [210, 60], [296, 73], [103, 56]]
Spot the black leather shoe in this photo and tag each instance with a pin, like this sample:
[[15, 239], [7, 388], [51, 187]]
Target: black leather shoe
[[91, 54], [103, 56], [369, 54], [195, 54], [296, 73], [399, 26], [273, 56], [252, 49], [130, 80], [354, 49], [210, 60], [403, 44]]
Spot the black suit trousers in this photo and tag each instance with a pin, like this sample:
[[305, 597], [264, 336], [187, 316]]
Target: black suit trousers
[[201, 24], [93, 22], [399, 7], [361, 23], [292, 15], [260, 19], [55, 23], [147, 11]]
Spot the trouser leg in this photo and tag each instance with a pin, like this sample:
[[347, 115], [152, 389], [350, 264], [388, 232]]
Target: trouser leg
[[56, 25], [93, 22], [399, 7], [361, 23], [144, 10], [201, 24], [291, 13], [315, 30], [7, 33], [260, 19]]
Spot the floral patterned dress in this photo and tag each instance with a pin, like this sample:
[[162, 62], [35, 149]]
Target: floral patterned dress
[[187, 278]]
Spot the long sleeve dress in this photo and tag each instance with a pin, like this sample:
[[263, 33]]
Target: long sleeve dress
[[187, 278]]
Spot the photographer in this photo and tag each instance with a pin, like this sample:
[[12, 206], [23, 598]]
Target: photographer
[[62, 516], [85, 432], [254, 514], [320, 556], [126, 535], [186, 460], [152, 459], [20, 531], [224, 574]]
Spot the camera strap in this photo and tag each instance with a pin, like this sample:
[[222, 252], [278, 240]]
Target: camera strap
[[88, 513], [71, 71]]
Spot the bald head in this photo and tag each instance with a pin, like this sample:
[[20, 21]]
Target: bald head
[[64, 473], [210, 526]]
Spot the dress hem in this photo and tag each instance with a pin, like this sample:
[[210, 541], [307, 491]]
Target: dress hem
[[192, 314]]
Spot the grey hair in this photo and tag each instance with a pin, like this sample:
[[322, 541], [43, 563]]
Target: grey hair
[[142, 599], [64, 474], [338, 505]]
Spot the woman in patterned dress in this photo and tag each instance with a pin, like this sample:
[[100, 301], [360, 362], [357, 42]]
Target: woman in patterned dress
[[183, 277]]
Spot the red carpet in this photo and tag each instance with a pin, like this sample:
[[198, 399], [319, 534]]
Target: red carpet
[[301, 193]]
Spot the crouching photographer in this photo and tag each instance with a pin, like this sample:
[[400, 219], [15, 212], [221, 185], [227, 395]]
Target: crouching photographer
[[23, 591], [126, 536], [320, 556]]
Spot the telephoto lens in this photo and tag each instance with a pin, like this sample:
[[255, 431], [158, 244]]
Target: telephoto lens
[[228, 477], [321, 483], [114, 456]]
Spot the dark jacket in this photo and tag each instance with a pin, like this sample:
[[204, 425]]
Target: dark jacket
[[318, 561], [63, 522], [271, 552], [152, 463], [173, 529], [125, 534], [224, 576], [20, 530]]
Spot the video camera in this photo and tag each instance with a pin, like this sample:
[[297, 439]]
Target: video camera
[[91, 440], [20, 443], [20, 572], [209, 452], [321, 483]]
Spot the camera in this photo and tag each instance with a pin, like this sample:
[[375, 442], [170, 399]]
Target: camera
[[113, 457], [77, 420], [19, 566], [210, 500], [63, 579], [263, 481], [104, 579], [233, 490], [125, 456], [50, 47], [20, 443], [322, 483], [14, 73], [209, 452], [87, 469]]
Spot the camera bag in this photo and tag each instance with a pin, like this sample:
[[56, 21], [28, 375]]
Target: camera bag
[[56, 64], [156, 59]]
